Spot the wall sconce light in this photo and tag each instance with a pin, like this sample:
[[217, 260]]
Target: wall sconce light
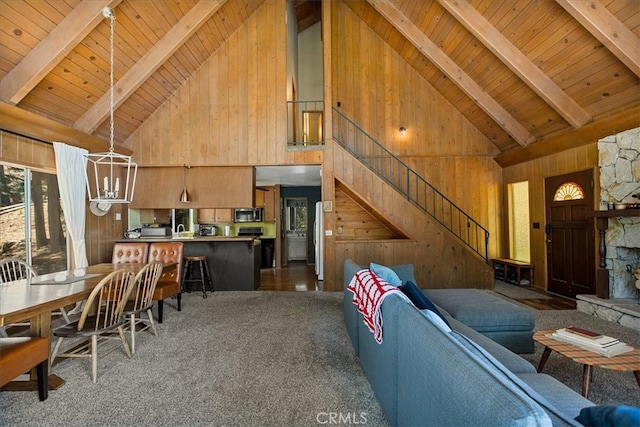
[[403, 131], [184, 196]]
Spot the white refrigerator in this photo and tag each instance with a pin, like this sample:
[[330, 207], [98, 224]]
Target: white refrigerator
[[318, 241]]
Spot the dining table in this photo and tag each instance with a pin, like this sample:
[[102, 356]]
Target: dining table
[[36, 298]]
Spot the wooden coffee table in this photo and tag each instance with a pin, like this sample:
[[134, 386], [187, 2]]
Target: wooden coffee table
[[623, 362]]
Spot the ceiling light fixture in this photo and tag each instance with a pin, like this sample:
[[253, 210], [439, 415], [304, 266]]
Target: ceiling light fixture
[[184, 196], [403, 131], [104, 170]]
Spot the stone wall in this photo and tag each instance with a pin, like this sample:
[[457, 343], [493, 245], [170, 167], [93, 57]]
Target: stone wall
[[619, 161]]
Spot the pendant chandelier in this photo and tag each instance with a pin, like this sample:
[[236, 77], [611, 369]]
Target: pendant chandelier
[[105, 170]]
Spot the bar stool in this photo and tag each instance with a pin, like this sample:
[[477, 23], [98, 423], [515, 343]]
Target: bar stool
[[205, 277]]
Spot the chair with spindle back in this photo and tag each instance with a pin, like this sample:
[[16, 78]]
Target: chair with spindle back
[[13, 269], [101, 316]]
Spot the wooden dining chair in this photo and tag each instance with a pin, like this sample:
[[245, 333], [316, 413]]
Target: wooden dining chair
[[141, 301], [12, 269], [101, 316], [169, 284]]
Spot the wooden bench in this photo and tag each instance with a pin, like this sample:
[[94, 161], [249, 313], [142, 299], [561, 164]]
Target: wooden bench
[[512, 271], [21, 354]]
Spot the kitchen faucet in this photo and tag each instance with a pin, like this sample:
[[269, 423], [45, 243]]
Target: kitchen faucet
[[178, 228]]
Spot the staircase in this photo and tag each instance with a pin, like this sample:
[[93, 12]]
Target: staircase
[[412, 186]]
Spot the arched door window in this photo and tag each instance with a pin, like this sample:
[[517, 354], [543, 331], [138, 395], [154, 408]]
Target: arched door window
[[568, 191]]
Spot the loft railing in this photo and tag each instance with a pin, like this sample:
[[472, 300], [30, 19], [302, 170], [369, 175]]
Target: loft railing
[[406, 181], [305, 120]]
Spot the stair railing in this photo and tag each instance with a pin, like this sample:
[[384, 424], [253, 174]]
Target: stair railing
[[409, 183]]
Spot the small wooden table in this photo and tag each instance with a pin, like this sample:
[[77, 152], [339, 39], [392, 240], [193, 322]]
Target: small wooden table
[[623, 362]]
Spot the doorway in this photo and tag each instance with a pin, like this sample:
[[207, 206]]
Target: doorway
[[570, 234], [296, 219]]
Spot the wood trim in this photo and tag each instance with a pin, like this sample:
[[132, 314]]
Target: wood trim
[[517, 62], [604, 26], [440, 59], [50, 51], [25, 123], [601, 127], [149, 64]]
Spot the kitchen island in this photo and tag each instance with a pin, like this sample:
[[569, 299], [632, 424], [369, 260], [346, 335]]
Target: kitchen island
[[234, 262]]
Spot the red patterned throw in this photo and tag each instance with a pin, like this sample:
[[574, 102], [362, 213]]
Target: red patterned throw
[[369, 291]]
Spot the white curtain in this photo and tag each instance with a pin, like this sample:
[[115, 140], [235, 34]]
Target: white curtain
[[71, 165]]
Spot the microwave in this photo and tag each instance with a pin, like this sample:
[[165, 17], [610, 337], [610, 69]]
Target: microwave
[[247, 215]]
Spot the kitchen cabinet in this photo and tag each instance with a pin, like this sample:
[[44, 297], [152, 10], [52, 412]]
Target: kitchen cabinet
[[297, 248], [219, 186], [266, 198], [214, 216]]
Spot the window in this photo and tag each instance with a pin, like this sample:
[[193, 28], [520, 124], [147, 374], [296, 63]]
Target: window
[[519, 243], [38, 234], [568, 191]]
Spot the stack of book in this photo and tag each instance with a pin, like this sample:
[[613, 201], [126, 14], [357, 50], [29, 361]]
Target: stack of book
[[592, 341]]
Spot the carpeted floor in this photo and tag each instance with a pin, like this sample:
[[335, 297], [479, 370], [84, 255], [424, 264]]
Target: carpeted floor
[[256, 358], [235, 358]]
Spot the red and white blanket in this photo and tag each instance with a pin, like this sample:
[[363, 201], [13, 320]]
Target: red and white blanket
[[369, 291]]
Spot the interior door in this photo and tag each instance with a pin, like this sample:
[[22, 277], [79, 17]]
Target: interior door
[[570, 235]]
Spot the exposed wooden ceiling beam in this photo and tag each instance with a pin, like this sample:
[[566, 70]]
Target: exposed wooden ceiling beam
[[22, 122], [605, 27], [149, 63], [52, 49], [517, 62], [601, 127], [455, 73]]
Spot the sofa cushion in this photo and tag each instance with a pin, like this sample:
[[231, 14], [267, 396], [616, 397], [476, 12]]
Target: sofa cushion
[[512, 361], [405, 272], [419, 299], [558, 416], [482, 311], [385, 273], [554, 391], [442, 383]]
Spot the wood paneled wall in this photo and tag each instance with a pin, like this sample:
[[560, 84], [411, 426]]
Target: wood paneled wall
[[233, 110], [100, 231], [535, 172], [440, 259], [377, 89]]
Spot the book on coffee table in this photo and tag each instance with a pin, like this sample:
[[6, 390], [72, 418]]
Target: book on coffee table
[[611, 349], [594, 339]]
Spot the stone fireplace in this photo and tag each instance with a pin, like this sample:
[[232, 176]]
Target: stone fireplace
[[619, 164]]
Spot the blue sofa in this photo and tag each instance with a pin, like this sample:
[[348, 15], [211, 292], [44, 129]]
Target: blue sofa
[[424, 373]]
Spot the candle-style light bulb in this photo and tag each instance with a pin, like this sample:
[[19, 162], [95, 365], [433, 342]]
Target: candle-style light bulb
[[106, 184], [117, 189]]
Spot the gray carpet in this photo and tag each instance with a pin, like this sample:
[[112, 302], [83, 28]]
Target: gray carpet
[[256, 359], [233, 359]]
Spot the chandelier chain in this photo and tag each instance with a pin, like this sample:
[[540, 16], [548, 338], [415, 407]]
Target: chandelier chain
[[112, 18]]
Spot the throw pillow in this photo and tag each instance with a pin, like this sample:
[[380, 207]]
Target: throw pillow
[[385, 273], [420, 300], [619, 416]]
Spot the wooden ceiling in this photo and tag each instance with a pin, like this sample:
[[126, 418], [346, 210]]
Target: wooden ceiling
[[535, 76]]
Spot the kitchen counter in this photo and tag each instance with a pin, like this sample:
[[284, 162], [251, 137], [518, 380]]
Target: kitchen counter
[[191, 239], [234, 262]]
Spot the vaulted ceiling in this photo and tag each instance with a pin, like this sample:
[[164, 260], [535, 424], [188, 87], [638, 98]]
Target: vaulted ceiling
[[534, 76]]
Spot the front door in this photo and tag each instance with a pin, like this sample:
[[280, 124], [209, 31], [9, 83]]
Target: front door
[[570, 235]]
